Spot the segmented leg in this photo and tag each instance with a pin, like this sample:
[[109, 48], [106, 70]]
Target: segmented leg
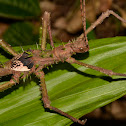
[[12, 82], [102, 70], [44, 30], [101, 19], [46, 100], [46, 25], [7, 47], [4, 72], [50, 33]]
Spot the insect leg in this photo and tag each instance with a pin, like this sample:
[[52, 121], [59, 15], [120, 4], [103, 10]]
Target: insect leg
[[102, 70], [102, 17], [12, 82], [46, 25], [7, 47], [4, 72], [50, 33], [46, 100], [44, 30]]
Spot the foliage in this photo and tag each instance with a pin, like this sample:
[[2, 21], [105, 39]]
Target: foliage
[[72, 88], [20, 33], [19, 9]]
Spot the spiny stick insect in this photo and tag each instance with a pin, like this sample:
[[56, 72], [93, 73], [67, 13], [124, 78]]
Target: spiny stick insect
[[33, 61]]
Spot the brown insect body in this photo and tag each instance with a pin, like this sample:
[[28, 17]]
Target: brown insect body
[[35, 60], [61, 53], [49, 57]]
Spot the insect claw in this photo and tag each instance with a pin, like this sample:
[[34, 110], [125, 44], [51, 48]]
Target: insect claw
[[84, 121]]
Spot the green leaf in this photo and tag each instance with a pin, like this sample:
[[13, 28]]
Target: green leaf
[[71, 88], [21, 33], [19, 9]]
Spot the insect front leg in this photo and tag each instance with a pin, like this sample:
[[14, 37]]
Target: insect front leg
[[102, 70], [102, 18], [12, 82], [50, 33], [46, 100], [46, 26]]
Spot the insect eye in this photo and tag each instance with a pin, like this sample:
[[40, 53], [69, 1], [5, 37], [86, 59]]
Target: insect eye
[[81, 49]]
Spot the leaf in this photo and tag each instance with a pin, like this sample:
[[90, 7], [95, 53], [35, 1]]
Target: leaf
[[21, 33], [71, 88], [19, 9]]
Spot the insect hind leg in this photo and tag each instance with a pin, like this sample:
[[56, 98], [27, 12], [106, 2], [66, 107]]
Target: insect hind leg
[[12, 82], [46, 100]]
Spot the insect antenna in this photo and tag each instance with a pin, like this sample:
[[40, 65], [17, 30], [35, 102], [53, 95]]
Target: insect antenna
[[83, 15]]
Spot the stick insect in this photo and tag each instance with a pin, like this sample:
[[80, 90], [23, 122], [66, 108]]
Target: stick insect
[[33, 61]]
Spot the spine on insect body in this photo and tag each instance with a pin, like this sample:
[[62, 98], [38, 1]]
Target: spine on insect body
[[43, 59], [58, 54], [46, 58], [65, 51]]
